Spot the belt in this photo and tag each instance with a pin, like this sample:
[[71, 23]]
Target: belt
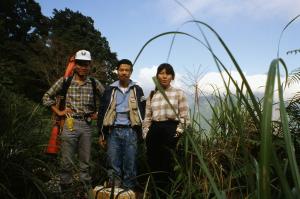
[[79, 117], [121, 126], [165, 122]]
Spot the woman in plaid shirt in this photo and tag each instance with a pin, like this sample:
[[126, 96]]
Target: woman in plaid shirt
[[162, 125]]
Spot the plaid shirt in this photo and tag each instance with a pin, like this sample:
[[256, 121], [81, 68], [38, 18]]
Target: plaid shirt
[[158, 109], [79, 98]]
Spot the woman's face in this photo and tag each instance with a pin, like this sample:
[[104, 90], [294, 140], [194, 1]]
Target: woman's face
[[164, 78]]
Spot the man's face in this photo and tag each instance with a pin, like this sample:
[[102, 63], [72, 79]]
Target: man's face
[[83, 67], [124, 72]]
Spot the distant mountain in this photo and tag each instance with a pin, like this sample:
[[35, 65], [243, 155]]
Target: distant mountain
[[207, 101]]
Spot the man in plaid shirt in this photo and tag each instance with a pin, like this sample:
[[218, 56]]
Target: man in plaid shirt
[[80, 105]]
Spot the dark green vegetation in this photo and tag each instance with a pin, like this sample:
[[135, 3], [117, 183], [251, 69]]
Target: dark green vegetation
[[34, 51], [244, 154]]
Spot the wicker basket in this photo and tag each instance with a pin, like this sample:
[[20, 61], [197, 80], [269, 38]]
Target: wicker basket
[[101, 192]]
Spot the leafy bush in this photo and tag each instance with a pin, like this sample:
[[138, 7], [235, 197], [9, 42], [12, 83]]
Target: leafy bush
[[23, 169]]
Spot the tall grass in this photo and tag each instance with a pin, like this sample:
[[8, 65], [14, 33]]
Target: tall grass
[[240, 157], [23, 169], [244, 154]]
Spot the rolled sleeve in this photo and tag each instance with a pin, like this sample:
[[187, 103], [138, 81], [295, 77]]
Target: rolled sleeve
[[148, 117], [49, 97]]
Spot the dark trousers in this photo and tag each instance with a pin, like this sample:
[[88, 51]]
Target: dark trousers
[[161, 142]]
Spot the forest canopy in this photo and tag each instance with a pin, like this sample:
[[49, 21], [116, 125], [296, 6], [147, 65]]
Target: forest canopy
[[35, 48]]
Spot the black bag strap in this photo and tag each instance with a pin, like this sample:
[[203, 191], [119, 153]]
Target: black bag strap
[[65, 87], [151, 94], [94, 93]]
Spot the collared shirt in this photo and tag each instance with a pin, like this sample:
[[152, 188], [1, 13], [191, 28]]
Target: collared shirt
[[158, 109], [122, 107], [79, 97]]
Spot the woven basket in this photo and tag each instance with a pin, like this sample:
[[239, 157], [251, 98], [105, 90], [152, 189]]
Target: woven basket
[[101, 192]]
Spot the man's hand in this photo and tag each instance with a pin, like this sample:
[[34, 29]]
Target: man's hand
[[102, 142], [94, 116], [63, 112]]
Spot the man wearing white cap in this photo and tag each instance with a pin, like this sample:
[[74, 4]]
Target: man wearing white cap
[[80, 92]]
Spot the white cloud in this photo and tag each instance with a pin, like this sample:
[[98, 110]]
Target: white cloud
[[144, 78], [209, 82], [257, 83], [254, 9], [214, 80], [177, 14]]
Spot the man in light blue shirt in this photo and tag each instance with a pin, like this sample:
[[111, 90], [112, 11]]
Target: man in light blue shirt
[[121, 113]]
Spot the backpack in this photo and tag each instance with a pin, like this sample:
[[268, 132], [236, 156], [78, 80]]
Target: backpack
[[151, 94]]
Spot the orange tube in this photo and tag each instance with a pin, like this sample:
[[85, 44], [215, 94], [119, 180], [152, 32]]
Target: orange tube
[[53, 144], [70, 67]]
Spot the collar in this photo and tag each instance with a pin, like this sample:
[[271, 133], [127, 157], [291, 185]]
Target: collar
[[169, 88], [117, 84], [87, 80]]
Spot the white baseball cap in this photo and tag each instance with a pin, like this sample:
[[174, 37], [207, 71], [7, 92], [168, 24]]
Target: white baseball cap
[[83, 55]]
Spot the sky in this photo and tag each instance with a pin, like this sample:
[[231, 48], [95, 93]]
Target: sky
[[250, 28]]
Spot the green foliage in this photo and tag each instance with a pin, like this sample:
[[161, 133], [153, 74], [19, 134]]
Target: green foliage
[[228, 150], [294, 77], [242, 135], [293, 51], [22, 21], [244, 154], [22, 142], [72, 31], [37, 48], [293, 109]]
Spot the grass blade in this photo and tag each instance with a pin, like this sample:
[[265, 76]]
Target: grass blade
[[219, 194], [290, 150], [266, 134]]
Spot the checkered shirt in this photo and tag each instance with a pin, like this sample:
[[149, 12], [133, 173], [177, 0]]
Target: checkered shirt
[[158, 109], [79, 98]]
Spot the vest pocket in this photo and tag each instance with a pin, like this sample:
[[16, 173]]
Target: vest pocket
[[110, 116]]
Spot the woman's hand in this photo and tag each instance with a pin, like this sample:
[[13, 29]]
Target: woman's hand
[[145, 132]]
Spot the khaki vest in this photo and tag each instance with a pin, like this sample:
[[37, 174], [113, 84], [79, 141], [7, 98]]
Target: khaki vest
[[134, 115]]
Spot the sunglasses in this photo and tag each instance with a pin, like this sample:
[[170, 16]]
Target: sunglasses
[[83, 63]]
